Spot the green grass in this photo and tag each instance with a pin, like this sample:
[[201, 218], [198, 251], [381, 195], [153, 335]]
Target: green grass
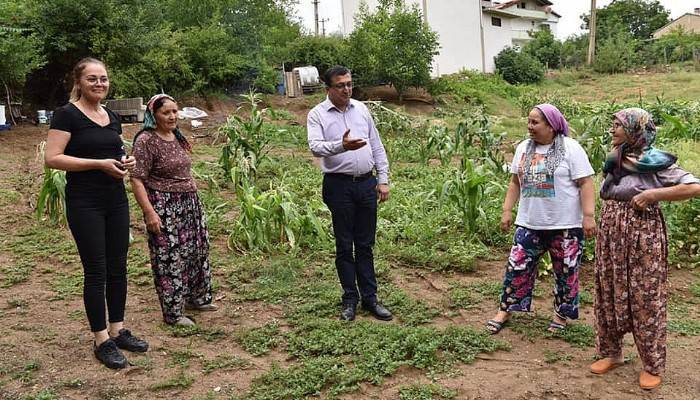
[[17, 272], [208, 334], [335, 357], [66, 285], [578, 334], [685, 327], [426, 392], [17, 303], [45, 394], [552, 357], [179, 381], [225, 362], [181, 358], [594, 87], [471, 295], [259, 341]]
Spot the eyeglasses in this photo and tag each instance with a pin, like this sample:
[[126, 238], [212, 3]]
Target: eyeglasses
[[341, 85], [94, 79]]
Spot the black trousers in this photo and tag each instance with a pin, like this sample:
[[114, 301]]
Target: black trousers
[[353, 206], [99, 222]]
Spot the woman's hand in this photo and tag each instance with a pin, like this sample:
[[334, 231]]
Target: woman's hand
[[112, 168], [643, 200], [128, 163], [506, 220], [589, 226], [153, 223]]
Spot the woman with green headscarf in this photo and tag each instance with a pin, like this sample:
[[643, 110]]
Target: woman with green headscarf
[[178, 240], [631, 245]]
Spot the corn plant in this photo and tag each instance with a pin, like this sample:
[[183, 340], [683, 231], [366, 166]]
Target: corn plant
[[466, 192], [475, 139], [273, 217], [594, 138], [246, 139], [441, 142], [52, 195]]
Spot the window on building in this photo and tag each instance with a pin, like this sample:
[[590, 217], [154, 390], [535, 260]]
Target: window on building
[[495, 21], [521, 4]]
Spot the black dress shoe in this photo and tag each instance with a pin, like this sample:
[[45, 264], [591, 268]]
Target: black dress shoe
[[108, 353], [348, 312], [379, 311], [127, 341]]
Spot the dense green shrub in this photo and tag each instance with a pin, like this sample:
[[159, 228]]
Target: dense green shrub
[[544, 47], [321, 52], [615, 54], [516, 66]]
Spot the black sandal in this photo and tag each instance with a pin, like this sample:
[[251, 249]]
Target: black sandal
[[494, 326]]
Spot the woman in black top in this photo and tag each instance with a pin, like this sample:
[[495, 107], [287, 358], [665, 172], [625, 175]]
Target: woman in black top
[[85, 140]]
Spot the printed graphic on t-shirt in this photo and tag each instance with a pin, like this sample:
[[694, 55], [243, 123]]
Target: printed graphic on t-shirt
[[536, 183]]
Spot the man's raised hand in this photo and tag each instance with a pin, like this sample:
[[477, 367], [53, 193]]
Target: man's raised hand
[[352, 144]]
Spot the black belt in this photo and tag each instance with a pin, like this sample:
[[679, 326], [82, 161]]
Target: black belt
[[354, 178]]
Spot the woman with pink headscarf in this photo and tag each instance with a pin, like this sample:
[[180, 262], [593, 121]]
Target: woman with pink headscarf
[[551, 181]]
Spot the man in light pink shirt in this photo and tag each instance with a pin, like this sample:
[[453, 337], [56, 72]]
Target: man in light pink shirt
[[342, 133]]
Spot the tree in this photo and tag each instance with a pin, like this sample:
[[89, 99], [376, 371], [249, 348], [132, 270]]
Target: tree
[[321, 52], [639, 18], [20, 52], [516, 66], [615, 54], [573, 50], [544, 47], [393, 45]]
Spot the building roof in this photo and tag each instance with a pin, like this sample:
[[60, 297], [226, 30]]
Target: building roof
[[674, 21], [504, 9]]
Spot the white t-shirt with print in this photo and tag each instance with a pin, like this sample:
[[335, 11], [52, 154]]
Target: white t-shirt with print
[[546, 202]]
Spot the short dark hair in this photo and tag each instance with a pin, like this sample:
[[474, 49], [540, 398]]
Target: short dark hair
[[332, 72]]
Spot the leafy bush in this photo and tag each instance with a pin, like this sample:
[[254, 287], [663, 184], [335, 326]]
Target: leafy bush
[[321, 52], [544, 47], [615, 54], [516, 66]]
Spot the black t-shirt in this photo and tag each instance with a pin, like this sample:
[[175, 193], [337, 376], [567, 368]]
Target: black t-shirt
[[89, 140]]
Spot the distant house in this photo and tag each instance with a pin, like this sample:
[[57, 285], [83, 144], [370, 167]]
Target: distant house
[[688, 22], [472, 32]]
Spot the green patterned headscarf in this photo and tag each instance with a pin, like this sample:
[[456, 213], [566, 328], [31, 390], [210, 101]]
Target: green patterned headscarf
[[637, 155]]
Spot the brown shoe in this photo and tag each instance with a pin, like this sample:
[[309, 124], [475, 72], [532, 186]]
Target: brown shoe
[[649, 381], [605, 365]]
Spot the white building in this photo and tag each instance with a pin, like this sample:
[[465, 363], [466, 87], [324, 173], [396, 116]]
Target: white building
[[472, 32]]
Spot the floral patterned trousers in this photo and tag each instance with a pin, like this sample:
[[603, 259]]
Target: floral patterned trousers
[[630, 282], [565, 247], [180, 253]]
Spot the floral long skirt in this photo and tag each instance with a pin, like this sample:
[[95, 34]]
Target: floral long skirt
[[630, 282], [180, 253], [565, 247]]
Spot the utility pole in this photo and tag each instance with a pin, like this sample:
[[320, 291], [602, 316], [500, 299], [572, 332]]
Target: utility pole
[[592, 34], [315, 2], [323, 26]]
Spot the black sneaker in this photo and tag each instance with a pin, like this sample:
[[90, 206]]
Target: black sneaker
[[108, 353], [127, 341]]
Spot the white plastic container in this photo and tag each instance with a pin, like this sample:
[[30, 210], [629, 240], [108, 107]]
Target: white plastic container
[[41, 116], [2, 115], [308, 76]]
